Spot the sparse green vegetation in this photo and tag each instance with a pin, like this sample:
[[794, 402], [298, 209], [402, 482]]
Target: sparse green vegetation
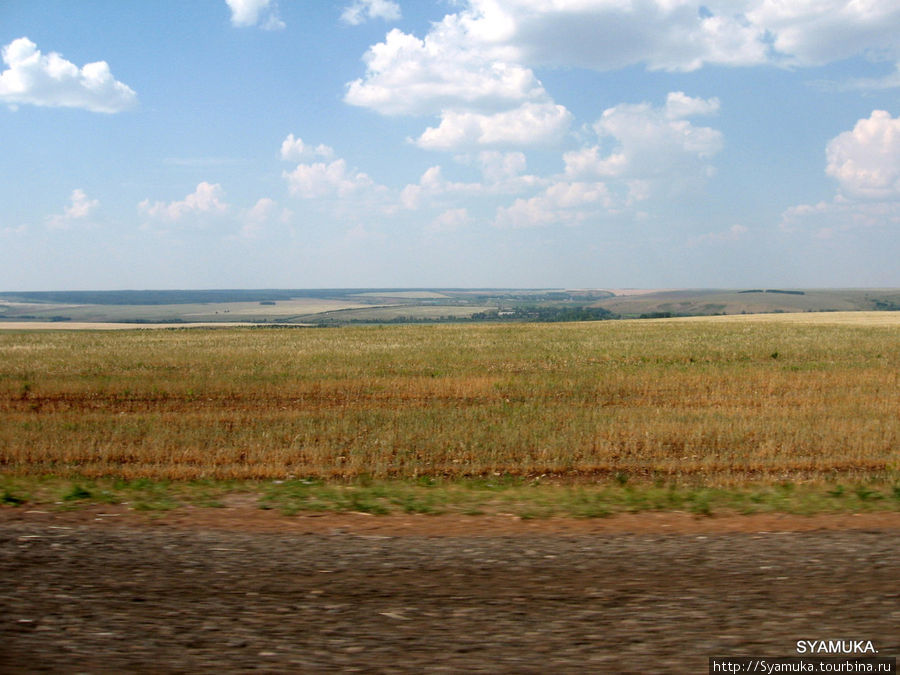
[[507, 495]]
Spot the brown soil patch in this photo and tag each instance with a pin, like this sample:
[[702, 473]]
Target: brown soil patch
[[243, 515]]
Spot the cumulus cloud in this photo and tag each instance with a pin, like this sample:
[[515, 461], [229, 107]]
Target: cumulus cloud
[[866, 160], [822, 31], [474, 71], [294, 149], [679, 35], [430, 184], [262, 13], [433, 187], [501, 166], [50, 80], [479, 60], [206, 200], [643, 151], [450, 220], [482, 95], [311, 181], [529, 124], [364, 10], [564, 202], [651, 143], [606, 34], [445, 70], [255, 219], [79, 208]]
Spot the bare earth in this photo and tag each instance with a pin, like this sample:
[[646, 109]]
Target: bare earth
[[239, 589]]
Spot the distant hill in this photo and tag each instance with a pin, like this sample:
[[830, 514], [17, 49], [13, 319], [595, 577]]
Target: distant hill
[[754, 301], [431, 305]]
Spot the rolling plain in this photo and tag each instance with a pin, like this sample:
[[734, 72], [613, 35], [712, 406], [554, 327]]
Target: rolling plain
[[611, 495], [713, 402]]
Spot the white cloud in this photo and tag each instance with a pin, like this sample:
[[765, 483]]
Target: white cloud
[[450, 220], [50, 80], [502, 174], [360, 234], [364, 10], [815, 32], [866, 160], [500, 166], [205, 200], [10, 231], [734, 233], [79, 208], [889, 81], [430, 184], [263, 13], [679, 105], [651, 143], [480, 58], [529, 124], [444, 71], [840, 215], [681, 35], [311, 181], [294, 149], [610, 34], [473, 68], [257, 217], [644, 152], [433, 186], [568, 202], [481, 94], [262, 210]]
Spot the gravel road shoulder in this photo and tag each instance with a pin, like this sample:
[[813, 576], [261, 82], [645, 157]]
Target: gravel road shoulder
[[230, 590]]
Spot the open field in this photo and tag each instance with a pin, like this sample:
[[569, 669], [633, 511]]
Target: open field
[[715, 402], [283, 310], [886, 319], [617, 496], [856, 318]]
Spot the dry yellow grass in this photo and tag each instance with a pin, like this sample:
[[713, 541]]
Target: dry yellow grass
[[723, 400], [806, 318]]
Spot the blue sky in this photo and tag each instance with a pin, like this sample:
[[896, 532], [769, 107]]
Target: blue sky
[[502, 143]]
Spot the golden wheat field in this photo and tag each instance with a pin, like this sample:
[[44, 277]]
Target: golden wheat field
[[728, 401]]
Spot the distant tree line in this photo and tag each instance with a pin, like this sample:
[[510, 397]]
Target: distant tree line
[[520, 314], [773, 290]]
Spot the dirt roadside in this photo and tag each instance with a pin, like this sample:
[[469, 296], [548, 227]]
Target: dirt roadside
[[103, 589]]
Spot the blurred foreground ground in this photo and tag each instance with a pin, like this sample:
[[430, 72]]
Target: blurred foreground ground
[[233, 590]]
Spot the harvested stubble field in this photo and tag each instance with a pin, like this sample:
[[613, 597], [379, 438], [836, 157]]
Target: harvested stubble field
[[723, 401]]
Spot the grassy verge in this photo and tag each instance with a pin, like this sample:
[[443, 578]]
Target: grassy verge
[[491, 496]]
